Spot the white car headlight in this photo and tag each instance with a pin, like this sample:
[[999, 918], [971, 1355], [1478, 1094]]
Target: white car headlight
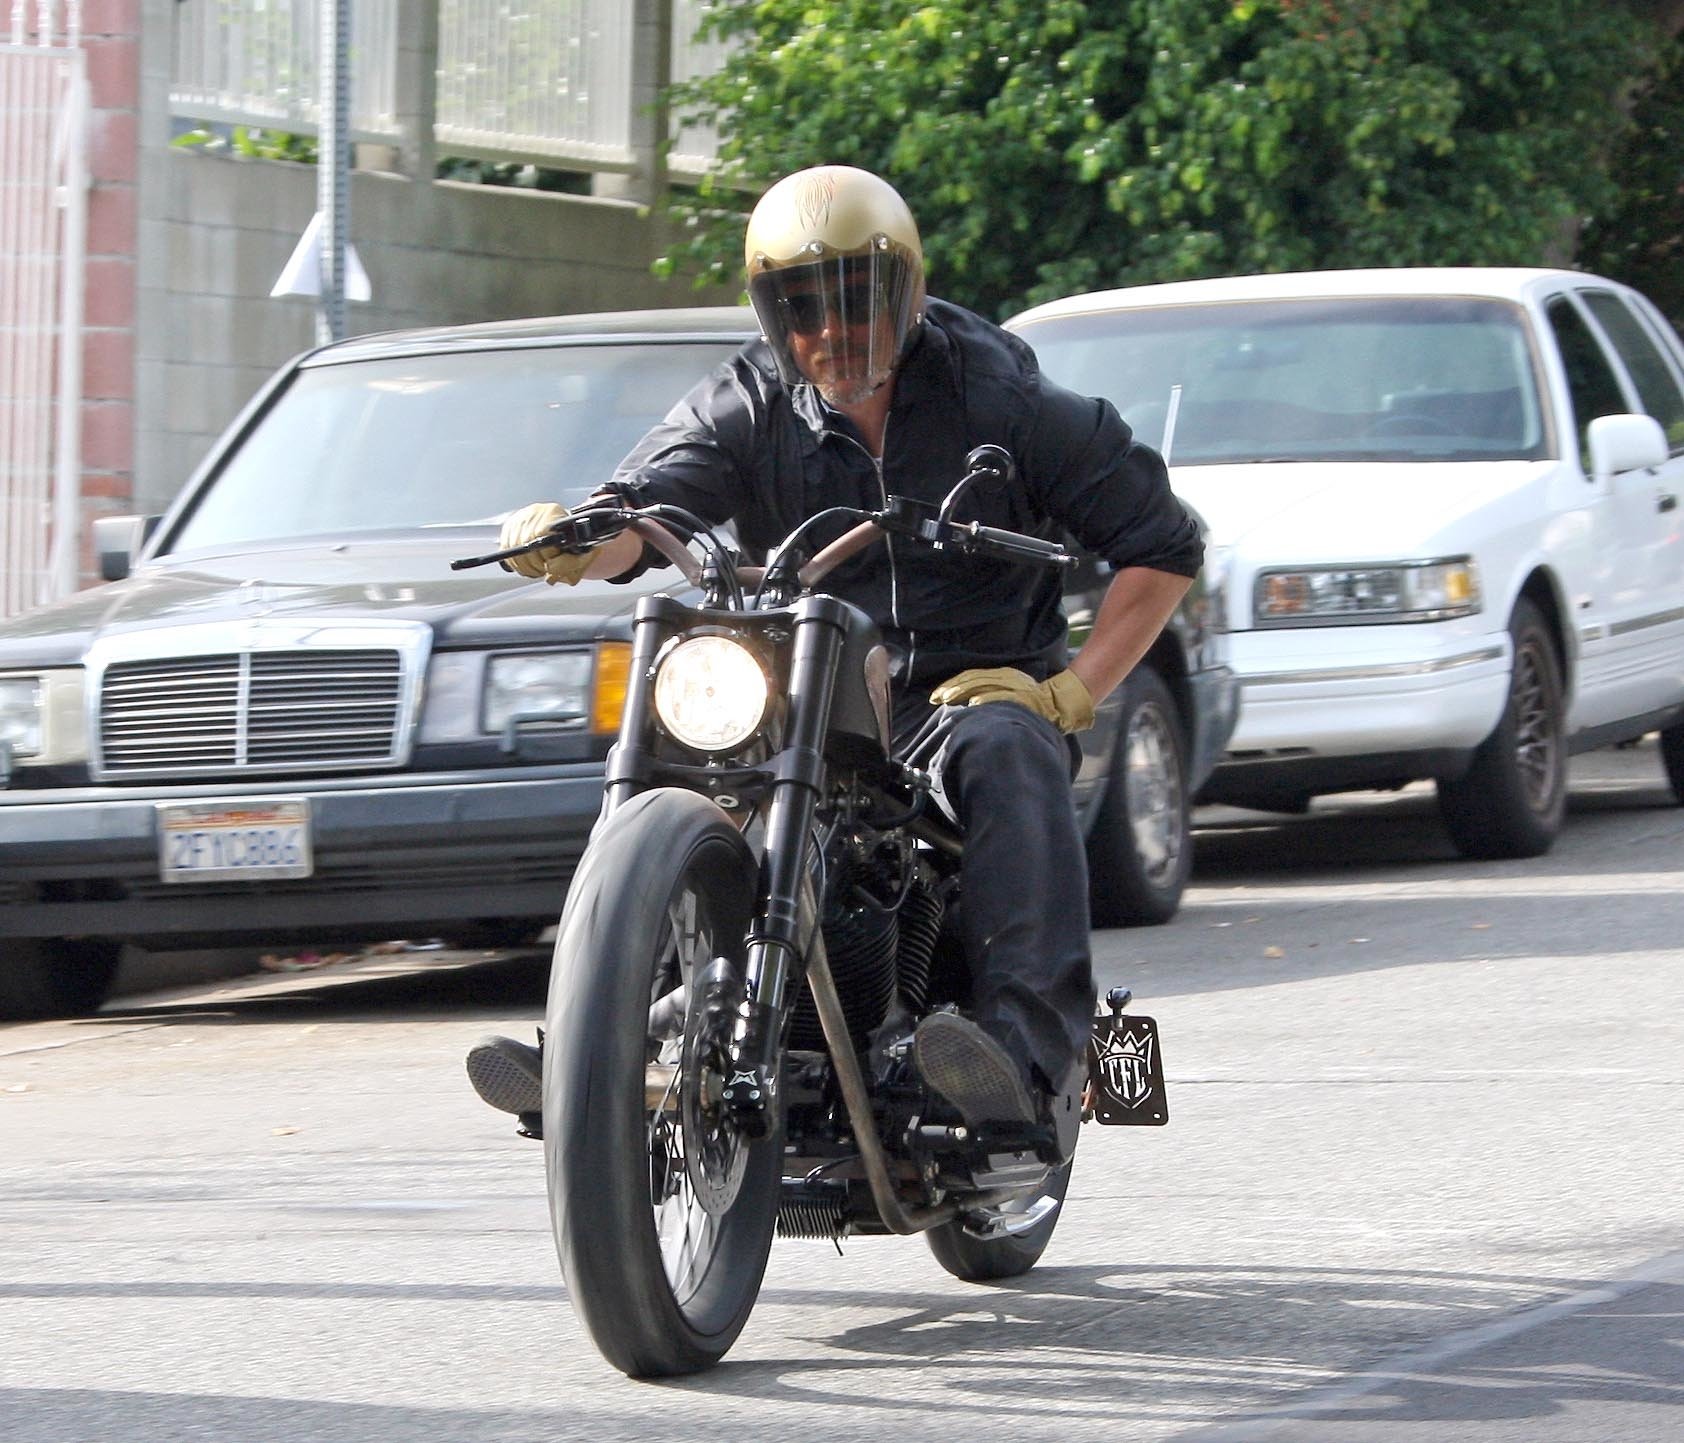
[[1336, 595], [710, 693], [20, 714], [550, 686]]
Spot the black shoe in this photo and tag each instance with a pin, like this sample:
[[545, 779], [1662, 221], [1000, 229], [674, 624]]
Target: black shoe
[[969, 1069], [507, 1074]]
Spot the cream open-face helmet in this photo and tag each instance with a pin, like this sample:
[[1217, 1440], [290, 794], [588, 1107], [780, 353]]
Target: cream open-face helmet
[[836, 277]]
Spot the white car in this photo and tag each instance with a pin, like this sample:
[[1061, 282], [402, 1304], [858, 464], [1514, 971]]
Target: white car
[[1443, 508]]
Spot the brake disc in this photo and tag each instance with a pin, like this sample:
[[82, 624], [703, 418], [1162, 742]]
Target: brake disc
[[715, 1151]]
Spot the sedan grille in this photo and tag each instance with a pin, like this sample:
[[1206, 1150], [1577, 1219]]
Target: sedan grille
[[303, 708]]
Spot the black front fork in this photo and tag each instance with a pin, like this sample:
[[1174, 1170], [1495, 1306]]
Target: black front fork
[[796, 775], [775, 943]]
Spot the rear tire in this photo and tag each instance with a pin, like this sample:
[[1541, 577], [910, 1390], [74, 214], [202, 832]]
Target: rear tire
[[1511, 800], [55, 977], [1672, 758], [989, 1260], [663, 1272], [1140, 850]]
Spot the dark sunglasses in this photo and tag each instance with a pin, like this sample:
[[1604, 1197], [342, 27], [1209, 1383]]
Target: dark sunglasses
[[854, 305]]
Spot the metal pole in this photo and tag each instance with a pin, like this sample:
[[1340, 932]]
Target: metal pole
[[332, 165], [64, 561]]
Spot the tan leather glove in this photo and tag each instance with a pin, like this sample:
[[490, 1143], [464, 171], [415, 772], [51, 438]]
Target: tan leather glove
[[1063, 699], [552, 563]]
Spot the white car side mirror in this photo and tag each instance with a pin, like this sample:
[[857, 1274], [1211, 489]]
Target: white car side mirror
[[1625, 443]]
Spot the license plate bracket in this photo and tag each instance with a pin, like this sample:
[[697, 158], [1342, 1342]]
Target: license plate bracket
[[1126, 1072], [255, 839]]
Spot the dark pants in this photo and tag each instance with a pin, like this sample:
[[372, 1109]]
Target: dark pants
[[1004, 774]]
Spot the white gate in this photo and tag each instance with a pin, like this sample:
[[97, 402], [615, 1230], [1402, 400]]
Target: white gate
[[43, 223]]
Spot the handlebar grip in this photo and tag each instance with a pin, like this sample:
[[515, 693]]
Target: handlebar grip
[[1012, 543]]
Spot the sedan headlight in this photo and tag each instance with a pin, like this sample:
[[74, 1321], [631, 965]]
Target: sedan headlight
[[710, 693], [552, 686], [41, 719], [20, 715], [1343, 595]]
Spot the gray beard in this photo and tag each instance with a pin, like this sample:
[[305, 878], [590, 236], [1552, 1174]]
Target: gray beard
[[851, 393]]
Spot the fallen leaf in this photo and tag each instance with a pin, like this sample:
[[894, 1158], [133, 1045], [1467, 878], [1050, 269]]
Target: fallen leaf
[[1274, 952], [1479, 926]]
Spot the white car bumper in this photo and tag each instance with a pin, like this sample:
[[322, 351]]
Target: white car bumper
[[1358, 690]]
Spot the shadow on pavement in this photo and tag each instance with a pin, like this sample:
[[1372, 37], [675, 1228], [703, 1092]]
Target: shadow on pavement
[[400, 988], [1055, 1354]]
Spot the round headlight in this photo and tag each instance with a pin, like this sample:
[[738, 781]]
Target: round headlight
[[710, 693]]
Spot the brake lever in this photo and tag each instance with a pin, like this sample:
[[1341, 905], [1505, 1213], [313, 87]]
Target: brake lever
[[578, 526], [919, 519]]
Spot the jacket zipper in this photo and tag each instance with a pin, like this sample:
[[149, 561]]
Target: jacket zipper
[[889, 546]]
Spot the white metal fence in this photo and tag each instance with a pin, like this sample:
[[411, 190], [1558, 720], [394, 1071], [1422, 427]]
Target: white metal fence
[[548, 81], [256, 62], [551, 80], [693, 56], [43, 218]]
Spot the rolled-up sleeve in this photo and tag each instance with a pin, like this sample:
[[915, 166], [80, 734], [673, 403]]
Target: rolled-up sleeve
[[1111, 493]]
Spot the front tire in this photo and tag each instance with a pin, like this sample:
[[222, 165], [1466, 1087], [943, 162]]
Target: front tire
[[1140, 850], [990, 1260], [1511, 800], [55, 977], [663, 1216]]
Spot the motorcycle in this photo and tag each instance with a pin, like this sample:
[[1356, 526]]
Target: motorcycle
[[764, 912]]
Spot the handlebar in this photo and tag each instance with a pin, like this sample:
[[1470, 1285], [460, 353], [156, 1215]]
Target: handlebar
[[921, 521]]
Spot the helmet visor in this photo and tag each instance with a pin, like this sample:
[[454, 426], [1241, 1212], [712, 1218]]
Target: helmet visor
[[838, 323]]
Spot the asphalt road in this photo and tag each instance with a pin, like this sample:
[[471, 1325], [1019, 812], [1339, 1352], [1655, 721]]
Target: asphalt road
[[1423, 1180]]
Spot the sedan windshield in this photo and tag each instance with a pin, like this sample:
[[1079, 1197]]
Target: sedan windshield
[[1391, 379], [442, 439]]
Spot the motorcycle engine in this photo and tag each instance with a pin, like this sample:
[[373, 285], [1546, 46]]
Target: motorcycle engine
[[880, 920]]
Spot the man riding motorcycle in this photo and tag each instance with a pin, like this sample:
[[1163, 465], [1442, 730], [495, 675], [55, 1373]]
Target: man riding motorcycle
[[860, 387]]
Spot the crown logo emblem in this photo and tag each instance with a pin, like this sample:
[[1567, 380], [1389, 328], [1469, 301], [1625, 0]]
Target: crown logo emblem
[[1125, 1066]]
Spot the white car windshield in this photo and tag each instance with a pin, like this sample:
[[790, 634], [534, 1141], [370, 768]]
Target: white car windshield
[[442, 439], [1385, 379]]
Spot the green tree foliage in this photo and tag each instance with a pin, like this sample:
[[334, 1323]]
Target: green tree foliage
[[1052, 146], [1641, 239]]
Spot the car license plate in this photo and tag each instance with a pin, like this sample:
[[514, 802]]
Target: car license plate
[[1126, 1072], [228, 841]]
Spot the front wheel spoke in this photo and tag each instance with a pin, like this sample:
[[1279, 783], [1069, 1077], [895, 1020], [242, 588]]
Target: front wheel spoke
[[691, 1252]]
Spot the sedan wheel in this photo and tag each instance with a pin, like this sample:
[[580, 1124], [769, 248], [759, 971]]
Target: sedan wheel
[[1511, 800], [1672, 757], [1140, 850], [55, 977]]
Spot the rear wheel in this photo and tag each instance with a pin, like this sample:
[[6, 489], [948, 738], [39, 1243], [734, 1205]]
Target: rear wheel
[[1672, 757], [662, 1210], [987, 1260], [1140, 850], [1510, 801], [55, 977]]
